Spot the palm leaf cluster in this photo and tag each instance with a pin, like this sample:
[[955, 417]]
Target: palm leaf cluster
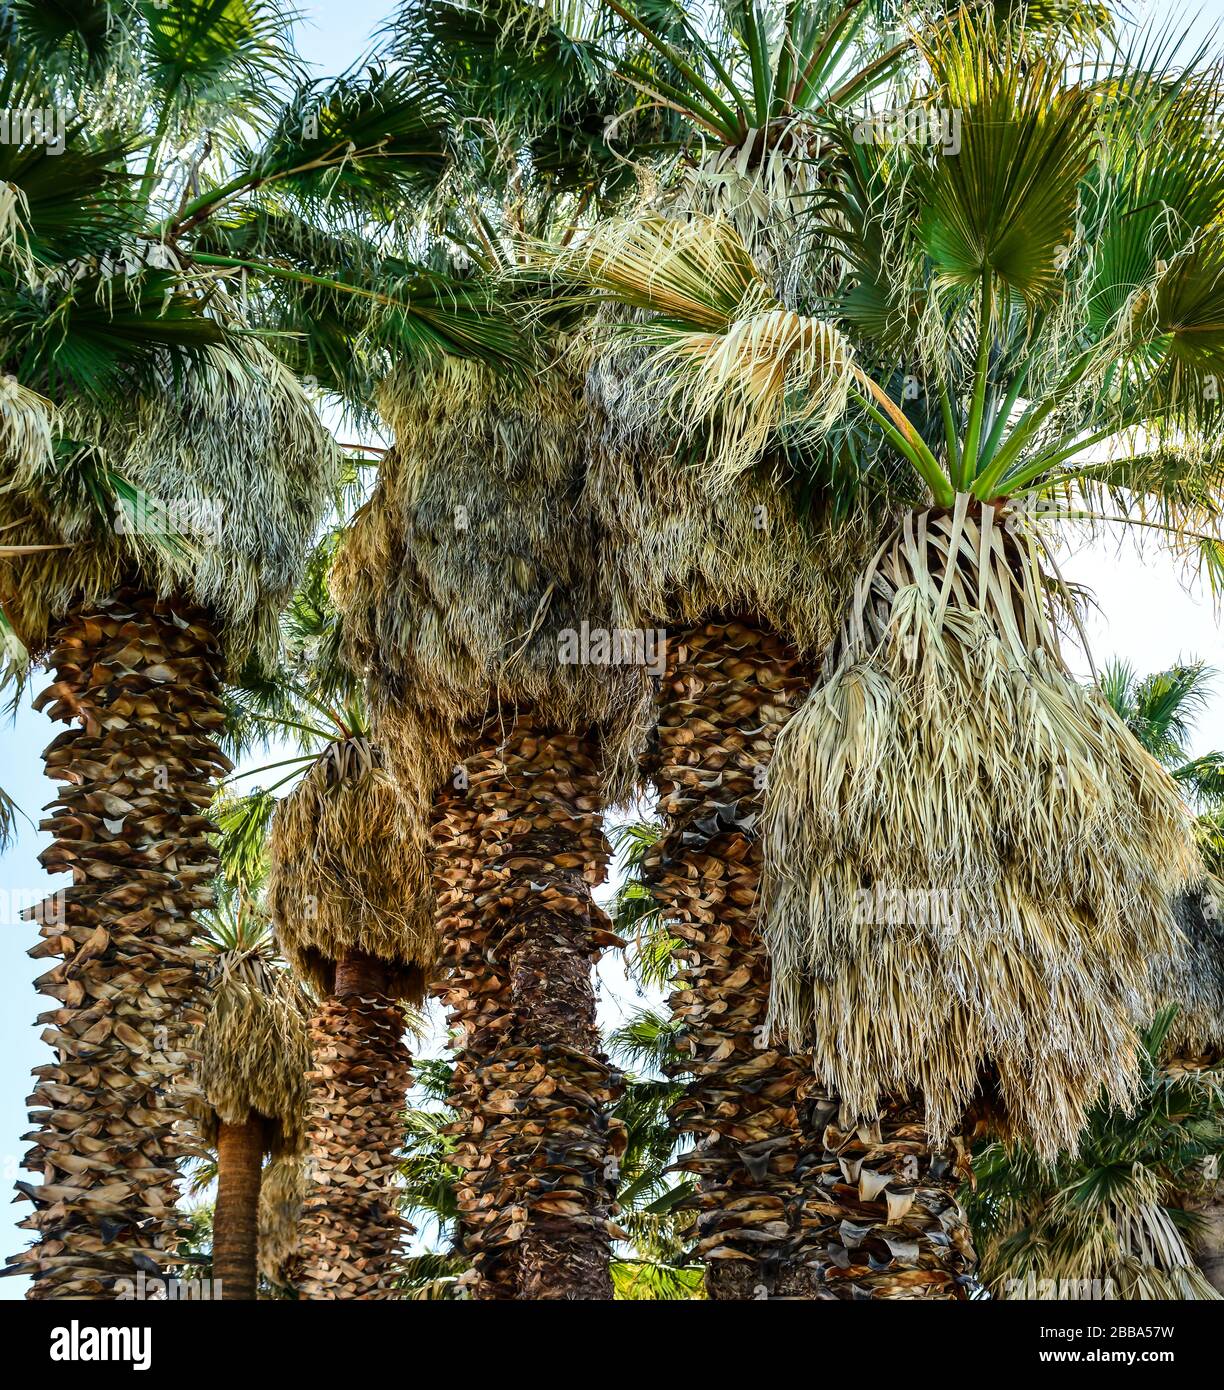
[[987, 318], [789, 327], [1114, 1218]]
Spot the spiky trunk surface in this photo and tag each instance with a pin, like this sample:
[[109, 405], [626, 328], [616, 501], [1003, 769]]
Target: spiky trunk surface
[[351, 1233], [138, 680], [236, 1215], [789, 1205], [519, 848]]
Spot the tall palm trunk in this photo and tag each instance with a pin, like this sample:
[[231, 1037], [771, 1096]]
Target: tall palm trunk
[[351, 1233], [789, 1204], [236, 1214], [519, 848], [138, 679]]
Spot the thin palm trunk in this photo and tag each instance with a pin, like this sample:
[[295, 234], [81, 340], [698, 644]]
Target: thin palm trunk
[[519, 848], [789, 1205], [351, 1233], [236, 1214], [137, 678]]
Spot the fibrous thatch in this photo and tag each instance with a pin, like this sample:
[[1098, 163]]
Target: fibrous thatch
[[218, 481], [462, 577], [282, 1192], [971, 860], [348, 871], [254, 1052], [1194, 981]]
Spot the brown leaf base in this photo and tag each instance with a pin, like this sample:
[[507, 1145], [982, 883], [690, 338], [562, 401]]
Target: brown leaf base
[[137, 680], [351, 1235], [788, 1205], [518, 849]]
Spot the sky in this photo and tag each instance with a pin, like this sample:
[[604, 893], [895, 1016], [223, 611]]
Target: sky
[[1147, 614]]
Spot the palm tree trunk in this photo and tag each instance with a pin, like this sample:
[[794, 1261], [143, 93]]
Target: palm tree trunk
[[236, 1214], [137, 678], [789, 1205], [519, 847], [351, 1234]]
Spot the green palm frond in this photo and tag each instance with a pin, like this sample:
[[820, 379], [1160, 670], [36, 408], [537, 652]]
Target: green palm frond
[[651, 1280], [1161, 710], [73, 39], [431, 1276], [364, 142], [1109, 1220], [1041, 301], [743, 67], [218, 58], [1000, 208], [636, 917], [9, 812], [242, 838], [103, 338]]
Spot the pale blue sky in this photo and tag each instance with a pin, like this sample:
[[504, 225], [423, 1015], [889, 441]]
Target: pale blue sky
[[1146, 615]]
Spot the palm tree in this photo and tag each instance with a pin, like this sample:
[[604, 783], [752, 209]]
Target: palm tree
[[348, 891], [1160, 710], [460, 581], [887, 799], [253, 1060], [350, 897], [134, 378], [128, 305], [749, 584]]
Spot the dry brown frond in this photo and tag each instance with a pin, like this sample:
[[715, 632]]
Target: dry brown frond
[[744, 365], [348, 872], [254, 1052], [971, 861], [282, 1191], [686, 549], [475, 557], [231, 454], [27, 427]]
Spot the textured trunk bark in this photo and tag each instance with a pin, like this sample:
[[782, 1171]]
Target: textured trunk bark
[[789, 1205], [519, 848], [1209, 1245], [236, 1214], [351, 1234], [137, 679]]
